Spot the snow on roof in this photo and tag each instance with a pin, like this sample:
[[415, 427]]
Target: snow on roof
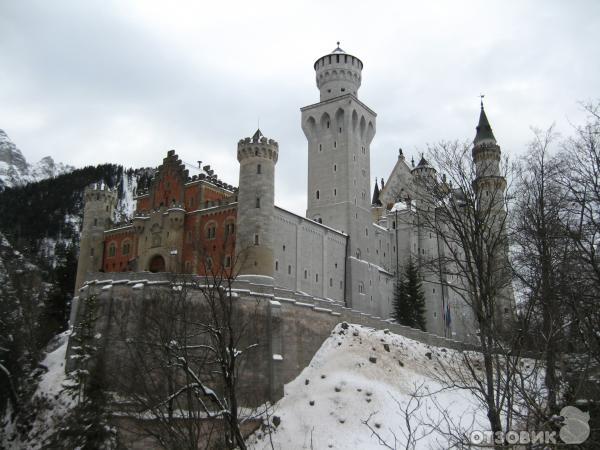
[[400, 206]]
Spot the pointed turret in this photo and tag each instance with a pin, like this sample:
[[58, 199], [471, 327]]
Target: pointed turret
[[376, 201], [486, 151], [257, 135], [484, 129], [423, 168]]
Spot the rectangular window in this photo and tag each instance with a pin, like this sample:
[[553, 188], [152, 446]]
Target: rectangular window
[[258, 169], [258, 202], [256, 242]]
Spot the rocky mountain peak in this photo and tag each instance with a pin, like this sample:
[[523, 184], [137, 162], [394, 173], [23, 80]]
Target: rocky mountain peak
[[16, 171]]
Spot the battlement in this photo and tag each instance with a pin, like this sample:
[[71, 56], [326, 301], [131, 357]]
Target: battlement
[[101, 193], [338, 73], [258, 147]]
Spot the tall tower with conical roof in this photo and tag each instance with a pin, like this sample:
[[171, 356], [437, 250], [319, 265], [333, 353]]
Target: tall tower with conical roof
[[339, 129], [490, 187], [489, 182]]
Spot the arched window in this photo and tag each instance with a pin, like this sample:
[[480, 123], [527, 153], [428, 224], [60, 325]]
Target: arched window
[[258, 202], [227, 262], [258, 169], [229, 229], [276, 265], [126, 247], [256, 240], [289, 270], [358, 253], [112, 249], [361, 288], [316, 278], [317, 194], [211, 230]]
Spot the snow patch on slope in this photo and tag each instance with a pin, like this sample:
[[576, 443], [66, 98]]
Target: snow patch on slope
[[49, 394], [361, 375]]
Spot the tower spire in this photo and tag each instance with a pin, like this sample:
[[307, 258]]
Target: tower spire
[[484, 129], [375, 200]]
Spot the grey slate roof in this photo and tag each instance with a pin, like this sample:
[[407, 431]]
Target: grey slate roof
[[484, 129]]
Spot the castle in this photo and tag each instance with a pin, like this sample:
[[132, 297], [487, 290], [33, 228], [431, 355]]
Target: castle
[[347, 249]]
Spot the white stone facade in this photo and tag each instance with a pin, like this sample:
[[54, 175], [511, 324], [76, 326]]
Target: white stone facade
[[348, 249]]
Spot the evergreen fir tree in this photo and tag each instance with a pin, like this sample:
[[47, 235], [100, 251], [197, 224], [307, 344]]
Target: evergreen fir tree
[[86, 425], [409, 299]]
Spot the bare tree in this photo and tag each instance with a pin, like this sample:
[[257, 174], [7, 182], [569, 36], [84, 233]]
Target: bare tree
[[582, 180], [466, 209], [408, 435], [188, 357], [542, 254]]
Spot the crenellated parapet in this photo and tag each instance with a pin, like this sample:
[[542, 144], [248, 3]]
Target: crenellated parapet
[[338, 73], [98, 212], [258, 147]]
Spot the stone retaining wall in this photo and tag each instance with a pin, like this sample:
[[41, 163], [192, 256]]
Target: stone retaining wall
[[288, 326]]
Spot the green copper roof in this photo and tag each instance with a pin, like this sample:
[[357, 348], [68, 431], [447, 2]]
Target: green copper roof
[[484, 129]]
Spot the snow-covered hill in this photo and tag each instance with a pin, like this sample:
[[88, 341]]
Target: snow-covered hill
[[16, 171], [360, 385]]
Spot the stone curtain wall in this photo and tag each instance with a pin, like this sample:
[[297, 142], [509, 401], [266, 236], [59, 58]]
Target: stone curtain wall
[[289, 328]]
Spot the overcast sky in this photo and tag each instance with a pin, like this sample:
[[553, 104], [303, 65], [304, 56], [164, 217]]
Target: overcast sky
[[90, 82]]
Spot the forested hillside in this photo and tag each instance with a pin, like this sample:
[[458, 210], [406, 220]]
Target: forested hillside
[[39, 245]]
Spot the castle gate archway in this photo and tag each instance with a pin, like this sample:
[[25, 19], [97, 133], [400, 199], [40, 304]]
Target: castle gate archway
[[157, 264]]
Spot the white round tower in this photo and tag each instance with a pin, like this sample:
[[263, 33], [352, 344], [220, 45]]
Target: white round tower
[[338, 73], [99, 208], [256, 207]]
